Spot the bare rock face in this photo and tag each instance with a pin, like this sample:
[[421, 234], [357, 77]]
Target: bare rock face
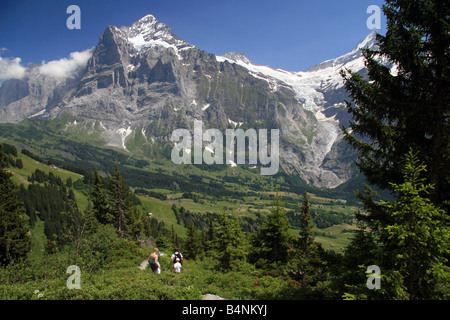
[[142, 82]]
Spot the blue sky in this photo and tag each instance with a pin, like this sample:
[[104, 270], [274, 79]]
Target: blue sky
[[287, 34]]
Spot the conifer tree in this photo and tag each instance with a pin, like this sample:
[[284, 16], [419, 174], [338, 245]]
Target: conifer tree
[[69, 182], [193, 242], [408, 106], [78, 224], [231, 244], [19, 163], [210, 236], [100, 205], [120, 199], [416, 240], [306, 236], [404, 104], [272, 241], [15, 241]]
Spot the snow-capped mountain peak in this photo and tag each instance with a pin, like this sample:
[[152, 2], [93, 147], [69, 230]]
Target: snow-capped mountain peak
[[369, 42], [148, 27], [237, 57], [144, 79], [354, 54], [148, 32]]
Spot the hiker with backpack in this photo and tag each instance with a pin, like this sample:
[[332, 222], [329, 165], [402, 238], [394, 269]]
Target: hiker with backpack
[[176, 255]]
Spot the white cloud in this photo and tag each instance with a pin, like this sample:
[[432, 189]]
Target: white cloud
[[64, 67], [10, 68]]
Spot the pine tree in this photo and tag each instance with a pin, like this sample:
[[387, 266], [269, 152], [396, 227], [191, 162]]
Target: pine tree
[[174, 237], [272, 242], [71, 195], [210, 236], [416, 240], [231, 244], [120, 199], [15, 241], [162, 241], [193, 242], [19, 163], [394, 111], [134, 224], [78, 224], [306, 236], [100, 205]]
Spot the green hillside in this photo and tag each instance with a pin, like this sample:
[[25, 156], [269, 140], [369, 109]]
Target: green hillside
[[172, 201], [246, 206], [215, 189]]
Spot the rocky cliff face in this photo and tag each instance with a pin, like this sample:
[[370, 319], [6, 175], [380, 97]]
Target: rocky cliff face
[[142, 82]]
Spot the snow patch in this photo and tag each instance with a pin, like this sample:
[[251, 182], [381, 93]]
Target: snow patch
[[234, 123], [232, 163], [139, 43], [38, 113], [124, 133], [193, 103], [308, 86]]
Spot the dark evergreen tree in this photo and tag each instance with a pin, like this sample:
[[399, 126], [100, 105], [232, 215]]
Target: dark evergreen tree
[[210, 236], [409, 107], [47, 201], [71, 195], [231, 248], [15, 241], [100, 205], [134, 224], [306, 235], [9, 149], [162, 242], [416, 241], [404, 105], [19, 163], [193, 245], [78, 225], [410, 250], [174, 237], [272, 241], [119, 199]]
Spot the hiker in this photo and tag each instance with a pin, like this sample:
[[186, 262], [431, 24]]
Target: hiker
[[153, 260], [177, 266], [176, 255]]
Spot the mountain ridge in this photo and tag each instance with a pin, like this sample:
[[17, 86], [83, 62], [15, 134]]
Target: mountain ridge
[[141, 82]]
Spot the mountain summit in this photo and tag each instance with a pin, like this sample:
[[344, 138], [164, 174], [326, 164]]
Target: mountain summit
[[141, 82]]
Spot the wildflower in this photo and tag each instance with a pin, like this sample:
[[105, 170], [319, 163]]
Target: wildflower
[[36, 291], [40, 295]]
